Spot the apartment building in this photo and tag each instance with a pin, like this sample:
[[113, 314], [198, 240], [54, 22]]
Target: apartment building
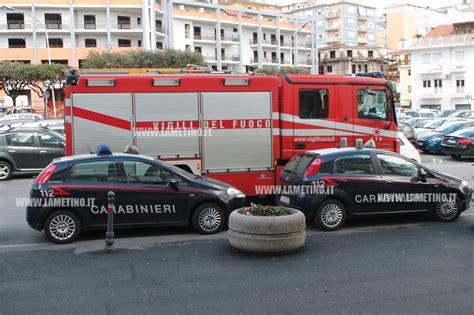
[[441, 77], [346, 35], [229, 37]]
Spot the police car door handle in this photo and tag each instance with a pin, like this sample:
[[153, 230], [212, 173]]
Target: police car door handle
[[11, 151], [43, 151]]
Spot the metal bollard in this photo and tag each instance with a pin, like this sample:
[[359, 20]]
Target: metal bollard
[[109, 235]]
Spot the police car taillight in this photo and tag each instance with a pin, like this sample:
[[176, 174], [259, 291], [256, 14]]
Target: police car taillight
[[44, 176], [313, 168]]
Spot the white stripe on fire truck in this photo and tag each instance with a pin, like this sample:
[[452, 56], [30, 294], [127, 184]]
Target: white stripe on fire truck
[[316, 132], [338, 125]]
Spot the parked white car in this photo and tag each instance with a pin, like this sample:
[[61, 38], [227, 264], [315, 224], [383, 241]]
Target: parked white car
[[21, 116], [407, 149]]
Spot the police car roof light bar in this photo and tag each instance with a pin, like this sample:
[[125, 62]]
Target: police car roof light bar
[[103, 149]]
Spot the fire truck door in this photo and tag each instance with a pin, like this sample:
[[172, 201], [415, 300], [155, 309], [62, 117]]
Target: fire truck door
[[314, 117]]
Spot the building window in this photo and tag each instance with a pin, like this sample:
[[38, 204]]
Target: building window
[[409, 89], [123, 22], [16, 43], [188, 47], [139, 21], [197, 32], [349, 53], [409, 72], [159, 45], [353, 69], [124, 43], [329, 69], [56, 61], [53, 21], [314, 104], [320, 35], [15, 21], [366, 68], [198, 49], [139, 43], [187, 31], [459, 59], [359, 68], [370, 54], [321, 70], [426, 84], [89, 22], [437, 57], [158, 26], [56, 43], [438, 85], [90, 42], [459, 85], [332, 54]]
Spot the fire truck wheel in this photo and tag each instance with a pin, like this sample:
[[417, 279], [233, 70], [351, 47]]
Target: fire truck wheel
[[330, 216], [5, 170], [62, 227], [208, 218]]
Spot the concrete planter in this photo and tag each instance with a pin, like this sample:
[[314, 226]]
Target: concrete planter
[[267, 235]]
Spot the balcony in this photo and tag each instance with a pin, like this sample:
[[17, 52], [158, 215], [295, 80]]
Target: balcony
[[265, 60], [431, 93], [54, 25], [230, 38], [266, 42], [305, 62], [332, 27], [332, 14], [204, 37], [429, 69], [442, 41], [230, 58], [16, 25]]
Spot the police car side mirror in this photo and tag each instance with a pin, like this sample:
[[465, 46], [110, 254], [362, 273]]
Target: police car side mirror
[[422, 175], [173, 183]]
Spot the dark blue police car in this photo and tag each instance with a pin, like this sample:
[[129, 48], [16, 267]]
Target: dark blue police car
[[331, 185], [70, 196]]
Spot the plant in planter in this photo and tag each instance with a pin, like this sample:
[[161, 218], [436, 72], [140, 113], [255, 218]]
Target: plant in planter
[[267, 229]]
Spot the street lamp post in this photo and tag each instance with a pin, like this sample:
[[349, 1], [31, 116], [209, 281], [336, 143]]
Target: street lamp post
[[294, 42], [9, 8]]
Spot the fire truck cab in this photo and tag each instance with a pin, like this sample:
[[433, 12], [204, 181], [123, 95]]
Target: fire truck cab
[[246, 127]]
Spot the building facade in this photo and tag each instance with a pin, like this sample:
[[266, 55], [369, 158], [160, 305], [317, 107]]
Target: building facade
[[346, 35], [229, 37], [441, 76]]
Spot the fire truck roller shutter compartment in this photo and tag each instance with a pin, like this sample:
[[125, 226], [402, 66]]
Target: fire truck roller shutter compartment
[[241, 126], [170, 114], [98, 116]]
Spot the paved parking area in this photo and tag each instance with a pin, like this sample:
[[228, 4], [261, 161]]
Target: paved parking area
[[407, 264]]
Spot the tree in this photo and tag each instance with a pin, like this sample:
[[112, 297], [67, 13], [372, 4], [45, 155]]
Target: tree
[[14, 78], [283, 70], [169, 58], [43, 77]]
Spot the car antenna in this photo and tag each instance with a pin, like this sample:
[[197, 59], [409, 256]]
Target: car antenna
[[90, 151]]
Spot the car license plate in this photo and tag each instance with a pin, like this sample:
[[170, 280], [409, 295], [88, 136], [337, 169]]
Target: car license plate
[[451, 142], [285, 199]]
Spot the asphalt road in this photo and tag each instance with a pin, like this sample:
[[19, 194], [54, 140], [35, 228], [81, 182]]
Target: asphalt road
[[408, 264]]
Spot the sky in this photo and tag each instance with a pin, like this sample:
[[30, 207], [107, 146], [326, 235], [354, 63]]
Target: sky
[[380, 4]]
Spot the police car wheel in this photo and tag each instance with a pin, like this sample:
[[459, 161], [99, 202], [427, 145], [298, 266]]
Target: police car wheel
[[208, 218], [62, 227], [5, 170], [330, 216], [447, 211]]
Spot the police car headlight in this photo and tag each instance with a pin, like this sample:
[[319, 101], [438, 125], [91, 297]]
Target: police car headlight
[[233, 192], [464, 184]]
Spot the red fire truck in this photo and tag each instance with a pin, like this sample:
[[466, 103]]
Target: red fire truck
[[250, 125]]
